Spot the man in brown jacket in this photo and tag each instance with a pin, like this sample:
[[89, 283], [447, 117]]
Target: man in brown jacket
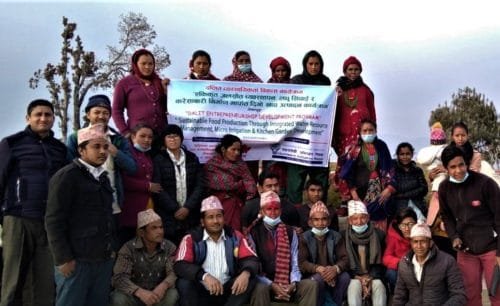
[[143, 273]]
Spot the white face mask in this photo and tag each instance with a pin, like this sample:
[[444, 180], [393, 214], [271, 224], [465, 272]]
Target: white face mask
[[320, 232], [368, 138], [245, 67], [271, 222], [453, 180], [359, 228], [140, 148]]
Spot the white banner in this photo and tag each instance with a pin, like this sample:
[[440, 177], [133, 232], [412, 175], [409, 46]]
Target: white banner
[[282, 122]]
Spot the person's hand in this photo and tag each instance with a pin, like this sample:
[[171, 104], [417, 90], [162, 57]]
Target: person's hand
[[436, 171], [338, 90], [329, 274], [457, 244], [155, 187], [181, 213], [280, 292], [112, 149], [240, 284], [290, 289], [498, 260], [161, 289], [384, 196], [67, 268], [147, 297], [165, 82], [213, 285]]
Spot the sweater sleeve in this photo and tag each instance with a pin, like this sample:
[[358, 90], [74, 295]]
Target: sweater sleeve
[[185, 266], [61, 192], [446, 212], [194, 199], [122, 272], [390, 259], [305, 266], [119, 105], [491, 192], [5, 160]]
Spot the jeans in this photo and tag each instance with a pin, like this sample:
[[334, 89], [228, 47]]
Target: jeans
[[88, 285]]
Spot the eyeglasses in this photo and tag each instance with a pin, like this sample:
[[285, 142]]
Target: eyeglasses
[[406, 225]]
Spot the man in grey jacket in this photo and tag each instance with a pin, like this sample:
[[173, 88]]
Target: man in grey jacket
[[426, 275]]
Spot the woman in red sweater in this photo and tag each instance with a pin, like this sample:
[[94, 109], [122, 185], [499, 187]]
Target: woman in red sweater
[[398, 243]]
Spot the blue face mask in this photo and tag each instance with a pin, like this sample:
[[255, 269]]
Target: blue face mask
[[453, 180], [368, 138], [140, 148], [359, 228], [319, 232], [245, 67], [271, 222]]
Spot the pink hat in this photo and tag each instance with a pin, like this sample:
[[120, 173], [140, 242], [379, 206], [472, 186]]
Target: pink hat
[[421, 229], [269, 197], [146, 217], [212, 202], [319, 207], [356, 207], [94, 131], [438, 136], [351, 60]]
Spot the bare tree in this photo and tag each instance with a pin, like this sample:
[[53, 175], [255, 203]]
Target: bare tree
[[78, 71]]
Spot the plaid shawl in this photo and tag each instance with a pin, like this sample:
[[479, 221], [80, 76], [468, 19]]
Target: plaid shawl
[[238, 76], [282, 272], [234, 178]]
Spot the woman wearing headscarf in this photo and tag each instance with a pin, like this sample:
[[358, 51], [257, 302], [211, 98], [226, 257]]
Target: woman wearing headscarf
[[229, 179], [297, 174], [368, 170], [355, 101], [142, 94], [242, 69], [199, 66], [281, 70], [312, 74], [242, 72]]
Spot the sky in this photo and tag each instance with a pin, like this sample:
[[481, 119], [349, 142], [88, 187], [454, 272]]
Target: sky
[[415, 54]]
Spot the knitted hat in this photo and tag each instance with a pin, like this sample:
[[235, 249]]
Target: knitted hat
[[351, 60], [98, 100], [319, 207], [212, 202], [438, 136], [279, 61], [269, 197], [356, 207], [421, 229], [146, 217], [91, 132]]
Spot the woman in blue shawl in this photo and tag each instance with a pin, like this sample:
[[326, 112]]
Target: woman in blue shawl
[[368, 171]]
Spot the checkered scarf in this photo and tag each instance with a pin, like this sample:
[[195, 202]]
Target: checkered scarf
[[282, 272]]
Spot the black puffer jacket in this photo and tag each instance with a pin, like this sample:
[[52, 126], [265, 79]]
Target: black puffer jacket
[[27, 162], [441, 282]]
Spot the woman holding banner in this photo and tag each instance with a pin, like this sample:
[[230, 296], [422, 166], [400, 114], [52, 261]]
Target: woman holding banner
[[312, 74], [142, 95], [229, 179], [242, 72]]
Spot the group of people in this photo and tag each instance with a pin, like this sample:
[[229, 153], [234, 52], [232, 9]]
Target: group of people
[[131, 217]]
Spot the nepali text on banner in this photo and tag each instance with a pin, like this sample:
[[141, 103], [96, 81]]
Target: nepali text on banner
[[282, 122]]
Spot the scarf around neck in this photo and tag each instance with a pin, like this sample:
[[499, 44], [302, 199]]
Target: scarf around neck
[[369, 239]]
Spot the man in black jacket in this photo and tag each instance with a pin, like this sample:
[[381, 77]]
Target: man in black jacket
[[27, 161], [79, 223], [214, 264], [426, 275]]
